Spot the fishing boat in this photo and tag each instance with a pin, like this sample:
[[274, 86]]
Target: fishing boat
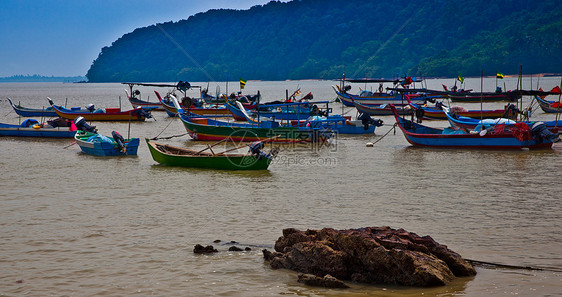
[[392, 95], [505, 137], [337, 123], [280, 111], [108, 114], [33, 112], [476, 124], [436, 112], [169, 155], [100, 145], [381, 110], [217, 110], [549, 106], [134, 98], [510, 96], [204, 128], [344, 125], [59, 128], [369, 98]]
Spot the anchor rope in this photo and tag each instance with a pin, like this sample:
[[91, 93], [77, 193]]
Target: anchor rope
[[167, 137], [484, 263], [393, 128]]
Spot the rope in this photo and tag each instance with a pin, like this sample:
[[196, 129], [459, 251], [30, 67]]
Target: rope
[[393, 128], [168, 137], [156, 137], [483, 263]]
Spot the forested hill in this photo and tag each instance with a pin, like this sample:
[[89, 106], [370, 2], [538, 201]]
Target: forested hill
[[325, 38]]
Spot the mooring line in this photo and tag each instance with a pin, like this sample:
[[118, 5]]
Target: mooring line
[[484, 263], [168, 137], [393, 128], [156, 137]]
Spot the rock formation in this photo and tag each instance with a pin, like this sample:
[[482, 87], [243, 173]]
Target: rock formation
[[379, 255]]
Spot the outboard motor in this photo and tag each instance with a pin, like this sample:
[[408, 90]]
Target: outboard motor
[[366, 120], [141, 112], [256, 147], [540, 131], [256, 150], [120, 141], [81, 124], [91, 107]]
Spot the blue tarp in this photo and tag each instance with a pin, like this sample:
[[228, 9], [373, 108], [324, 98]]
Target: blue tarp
[[100, 138], [29, 123]]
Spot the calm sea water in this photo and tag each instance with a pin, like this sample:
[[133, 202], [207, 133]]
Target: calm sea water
[[78, 225]]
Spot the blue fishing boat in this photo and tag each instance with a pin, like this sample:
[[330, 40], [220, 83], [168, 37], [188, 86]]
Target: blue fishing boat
[[92, 143], [475, 124], [549, 106], [33, 112], [380, 110], [100, 145], [32, 128], [337, 123], [282, 111], [508, 137]]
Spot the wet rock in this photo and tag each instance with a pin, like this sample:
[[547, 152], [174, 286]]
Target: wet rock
[[247, 249], [199, 249], [234, 249], [371, 255], [268, 256], [217, 241], [327, 281]]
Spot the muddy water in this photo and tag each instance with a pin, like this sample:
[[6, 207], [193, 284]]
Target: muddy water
[[77, 225]]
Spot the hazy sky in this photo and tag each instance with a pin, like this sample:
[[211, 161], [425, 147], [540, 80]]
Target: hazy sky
[[63, 37]]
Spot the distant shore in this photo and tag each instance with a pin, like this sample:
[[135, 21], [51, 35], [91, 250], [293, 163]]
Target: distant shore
[[41, 78]]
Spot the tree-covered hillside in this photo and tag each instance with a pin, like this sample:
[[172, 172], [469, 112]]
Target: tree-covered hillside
[[325, 38]]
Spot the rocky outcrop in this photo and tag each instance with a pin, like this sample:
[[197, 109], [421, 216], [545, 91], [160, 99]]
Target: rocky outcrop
[[327, 281], [371, 255], [199, 249]]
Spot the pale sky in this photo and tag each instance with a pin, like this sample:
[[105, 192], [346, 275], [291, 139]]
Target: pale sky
[[63, 37]]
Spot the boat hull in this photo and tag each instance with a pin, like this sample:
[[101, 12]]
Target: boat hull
[[546, 105], [485, 97], [18, 131], [423, 136], [105, 149], [224, 162], [378, 111], [209, 130], [130, 115], [145, 104]]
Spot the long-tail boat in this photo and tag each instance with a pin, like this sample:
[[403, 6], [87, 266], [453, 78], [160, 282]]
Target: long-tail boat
[[108, 114], [32, 128], [381, 110], [510, 96], [337, 123], [104, 146], [437, 113], [470, 123], [505, 137], [549, 106], [33, 112], [204, 128], [217, 110], [255, 159]]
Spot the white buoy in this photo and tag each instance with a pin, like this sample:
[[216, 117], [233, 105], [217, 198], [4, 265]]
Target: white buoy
[[370, 144]]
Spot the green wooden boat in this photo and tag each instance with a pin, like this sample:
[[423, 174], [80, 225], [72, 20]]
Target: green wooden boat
[[175, 156]]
